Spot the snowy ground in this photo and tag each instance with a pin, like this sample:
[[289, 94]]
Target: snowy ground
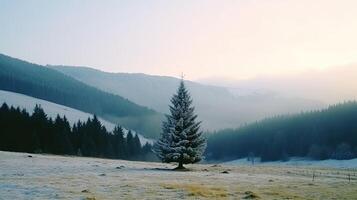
[[59, 177], [297, 161], [52, 109]]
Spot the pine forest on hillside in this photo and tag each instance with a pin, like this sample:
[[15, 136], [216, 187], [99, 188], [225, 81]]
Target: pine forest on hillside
[[36, 133], [48, 84], [325, 134]]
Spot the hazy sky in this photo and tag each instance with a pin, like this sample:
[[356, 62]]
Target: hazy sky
[[235, 39]]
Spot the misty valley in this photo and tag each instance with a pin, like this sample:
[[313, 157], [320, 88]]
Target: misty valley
[[178, 100], [68, 111]]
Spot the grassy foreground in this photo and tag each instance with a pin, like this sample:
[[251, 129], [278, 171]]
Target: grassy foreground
[[59, 177]]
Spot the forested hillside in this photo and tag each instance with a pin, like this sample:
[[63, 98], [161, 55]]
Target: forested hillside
[[329, 133], [216, 107], [48, 84], [37, 133]]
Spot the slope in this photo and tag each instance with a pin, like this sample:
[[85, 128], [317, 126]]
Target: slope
[[324, 134], [216, 106], [53, 109], [48, 84]]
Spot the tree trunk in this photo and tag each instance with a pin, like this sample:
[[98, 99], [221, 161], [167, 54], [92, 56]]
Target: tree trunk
[[180, 166]]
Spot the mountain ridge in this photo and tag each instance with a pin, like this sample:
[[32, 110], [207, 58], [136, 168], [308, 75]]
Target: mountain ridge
[[216, 106], [45, 83]]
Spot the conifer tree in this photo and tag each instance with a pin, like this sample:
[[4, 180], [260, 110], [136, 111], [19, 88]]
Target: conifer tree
[[120, 147], [136, 145], [181, 139]]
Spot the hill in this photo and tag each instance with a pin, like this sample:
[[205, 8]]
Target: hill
[[217, 107], [329, 133], [48, 84], [53, 109]]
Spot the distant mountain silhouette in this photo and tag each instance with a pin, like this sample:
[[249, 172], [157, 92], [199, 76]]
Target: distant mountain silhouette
[[217, 107], [331, 85]]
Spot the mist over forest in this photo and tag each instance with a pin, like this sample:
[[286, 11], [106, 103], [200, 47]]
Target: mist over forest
[[331, 85], [204, 99]]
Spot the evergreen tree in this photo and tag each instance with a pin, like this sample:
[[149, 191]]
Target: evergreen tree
[[136, 145], [48, 84], [120, 143], [181, 139], [38, 133], [40, 125], [130, 144], [61, 138], [322, 134]]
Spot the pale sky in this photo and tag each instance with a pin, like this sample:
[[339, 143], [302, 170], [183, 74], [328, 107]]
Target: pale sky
[[233, 38]]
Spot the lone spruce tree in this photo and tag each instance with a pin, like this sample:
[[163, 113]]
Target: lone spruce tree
[[181, 139]]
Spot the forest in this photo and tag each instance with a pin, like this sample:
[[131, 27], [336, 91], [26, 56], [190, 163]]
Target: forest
[[324, 134], [48, 84], [37, 133]]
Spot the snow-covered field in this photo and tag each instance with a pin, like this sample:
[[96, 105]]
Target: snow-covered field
[[296, 161], [25, 176], [52, 109]]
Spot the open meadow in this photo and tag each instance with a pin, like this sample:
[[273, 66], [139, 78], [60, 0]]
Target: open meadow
[[33, 176]]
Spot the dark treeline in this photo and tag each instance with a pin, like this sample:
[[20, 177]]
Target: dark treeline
[[329, 133], [48, 84], [37, 133]]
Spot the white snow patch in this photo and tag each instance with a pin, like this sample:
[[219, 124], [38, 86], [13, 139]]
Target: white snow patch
[[52, 109], [301, 161]]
